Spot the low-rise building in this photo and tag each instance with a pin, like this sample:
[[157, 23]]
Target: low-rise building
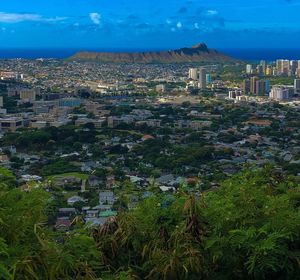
[[11, 124]]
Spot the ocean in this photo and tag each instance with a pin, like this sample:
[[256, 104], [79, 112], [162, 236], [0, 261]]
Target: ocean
[[244, 54], [263, 54], [36, 53]]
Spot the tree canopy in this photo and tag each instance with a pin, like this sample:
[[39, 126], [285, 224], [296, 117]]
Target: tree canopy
[[249, 228]]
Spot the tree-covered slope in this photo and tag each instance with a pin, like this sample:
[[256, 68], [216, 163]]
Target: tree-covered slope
[[247, 229]]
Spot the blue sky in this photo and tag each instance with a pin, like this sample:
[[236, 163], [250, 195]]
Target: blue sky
[[149, 24]]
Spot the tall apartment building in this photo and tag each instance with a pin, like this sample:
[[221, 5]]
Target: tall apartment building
[[253, 81], [246, 86], [256, 86], [249, 69], [283, 66], [260, 70], [263, 64], [280, 93], [298, 70], [202, 78], [269, 70], [193, 74], [260, 87], [293, 67]]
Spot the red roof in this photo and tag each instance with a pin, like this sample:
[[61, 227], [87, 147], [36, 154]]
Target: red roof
[[63, 223], [147, 137]]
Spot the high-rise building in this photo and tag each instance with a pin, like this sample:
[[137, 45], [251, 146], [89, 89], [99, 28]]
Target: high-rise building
[[298, 70], [269, 70], [267, 86], [260, 87], [263, 64], [193, 74], [283, 66], [257, 86], [253, 81], [246, 86], [280, 93], [202, 78], [260, 70], [1, 101], [249, 69], [297, 86], [293, 67]]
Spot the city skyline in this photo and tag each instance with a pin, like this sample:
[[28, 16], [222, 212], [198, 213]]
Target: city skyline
[[149, 24]]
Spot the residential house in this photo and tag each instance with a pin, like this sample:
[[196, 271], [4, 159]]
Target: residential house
[[106, 197]]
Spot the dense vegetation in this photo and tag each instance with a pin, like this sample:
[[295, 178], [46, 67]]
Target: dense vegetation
[[247, 229]]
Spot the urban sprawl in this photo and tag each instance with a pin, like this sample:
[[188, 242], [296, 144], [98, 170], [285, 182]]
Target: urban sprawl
[[101, 137]]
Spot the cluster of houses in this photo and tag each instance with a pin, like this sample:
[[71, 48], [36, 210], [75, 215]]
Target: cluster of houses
[[91, 216]]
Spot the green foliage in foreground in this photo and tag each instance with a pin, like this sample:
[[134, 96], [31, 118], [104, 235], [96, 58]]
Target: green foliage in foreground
[[248, 229]]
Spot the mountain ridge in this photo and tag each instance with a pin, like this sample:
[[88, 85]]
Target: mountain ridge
[[195, 54]]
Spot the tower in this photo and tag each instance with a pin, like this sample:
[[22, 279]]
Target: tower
[[253, 81], [249, 69], [193, 74], [202, 78]]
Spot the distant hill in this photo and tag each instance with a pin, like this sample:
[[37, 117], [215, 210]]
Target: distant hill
[[198, 53]]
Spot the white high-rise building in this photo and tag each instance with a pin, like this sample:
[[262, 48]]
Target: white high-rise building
[[202, 78], [193, 74], [280, 93], [249, 69]]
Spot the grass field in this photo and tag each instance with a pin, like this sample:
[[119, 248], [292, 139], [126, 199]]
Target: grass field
[[78, 175]]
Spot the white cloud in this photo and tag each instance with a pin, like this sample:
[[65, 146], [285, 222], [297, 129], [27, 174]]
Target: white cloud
[[16, 18], [168, 21], [212, 12], [196, 25], [54, 19], [95, 18], [179, 25]]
